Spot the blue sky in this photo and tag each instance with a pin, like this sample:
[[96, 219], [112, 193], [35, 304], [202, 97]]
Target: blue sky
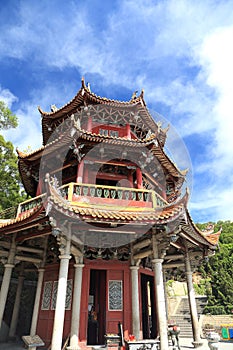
[[180, 52]]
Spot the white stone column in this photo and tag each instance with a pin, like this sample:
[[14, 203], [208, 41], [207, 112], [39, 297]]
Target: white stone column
[[165, 292], [6, 278], [74, 332], [37, 301], [135, 302], [160, 295], [61, 297], [15, 314], [41, 271], [4, 288], [192, 303], [160, 303]]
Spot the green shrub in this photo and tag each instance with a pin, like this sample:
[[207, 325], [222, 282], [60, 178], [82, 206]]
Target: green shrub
[[214, 310]]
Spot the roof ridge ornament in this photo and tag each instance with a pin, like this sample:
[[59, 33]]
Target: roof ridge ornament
[[134, 95], [53, 108], [89, 87]]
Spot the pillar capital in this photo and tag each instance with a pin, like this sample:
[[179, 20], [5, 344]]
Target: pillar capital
[[9, 265], [79, 265], [21, 277], [188, 273], [64, 256], [41, 269], [134, 267], [157, 261]]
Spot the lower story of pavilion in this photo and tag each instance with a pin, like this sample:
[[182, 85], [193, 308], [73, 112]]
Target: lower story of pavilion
[[85, 299]]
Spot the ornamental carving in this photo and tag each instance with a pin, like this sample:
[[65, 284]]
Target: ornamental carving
[[115, 302]]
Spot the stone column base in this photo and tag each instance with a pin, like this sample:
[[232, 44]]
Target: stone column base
[[196, 344]]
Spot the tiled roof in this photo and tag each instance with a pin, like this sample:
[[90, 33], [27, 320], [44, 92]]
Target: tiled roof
[[85, 97], [213, 238], [64, 139], [23, 218], [84, 93], [203, 237]]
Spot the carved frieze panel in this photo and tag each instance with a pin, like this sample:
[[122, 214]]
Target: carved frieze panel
[[50, 295], [47, 294], [115, 293]]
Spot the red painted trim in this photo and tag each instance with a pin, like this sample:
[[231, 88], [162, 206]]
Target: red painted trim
[[111, 202], [89, 124], [128, 131], [80, 172], [139, 177]]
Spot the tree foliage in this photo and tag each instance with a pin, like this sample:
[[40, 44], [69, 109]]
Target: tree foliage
[[219, 270], [7, 118], [10, 187]]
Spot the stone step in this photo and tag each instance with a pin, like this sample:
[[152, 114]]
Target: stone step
[[183, 318]]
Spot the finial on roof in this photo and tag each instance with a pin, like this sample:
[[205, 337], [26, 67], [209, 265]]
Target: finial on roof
[[83, 82], [53, 108], [20, 153], [134, 95], [142, 94], [165, 130], [184, 172], [159, 124], [89, 87]]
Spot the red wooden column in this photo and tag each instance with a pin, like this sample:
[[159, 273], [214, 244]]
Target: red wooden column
[[139, 177], [80, 169], [164, 194], [128, 131], [85, 177], [39, 187], [130, 178], [89, 124]]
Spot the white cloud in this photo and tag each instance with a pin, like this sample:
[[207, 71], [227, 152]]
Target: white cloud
[[28, 134], [217, 57], [7, 97], [213, 203]]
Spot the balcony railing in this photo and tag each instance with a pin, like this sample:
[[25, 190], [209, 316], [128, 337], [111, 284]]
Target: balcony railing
[[86, 194], [111, 195], [30, 204]]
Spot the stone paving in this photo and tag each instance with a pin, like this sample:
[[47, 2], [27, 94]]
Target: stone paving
[[185, 344]]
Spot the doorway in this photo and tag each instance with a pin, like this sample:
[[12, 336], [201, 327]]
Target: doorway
[[96, 308], [149, 319]]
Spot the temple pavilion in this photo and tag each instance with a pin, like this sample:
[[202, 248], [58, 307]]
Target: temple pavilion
[[106, 223]]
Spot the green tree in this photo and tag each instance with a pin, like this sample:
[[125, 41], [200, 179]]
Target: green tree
[[10, 187], [219, 270], [7, 118]]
